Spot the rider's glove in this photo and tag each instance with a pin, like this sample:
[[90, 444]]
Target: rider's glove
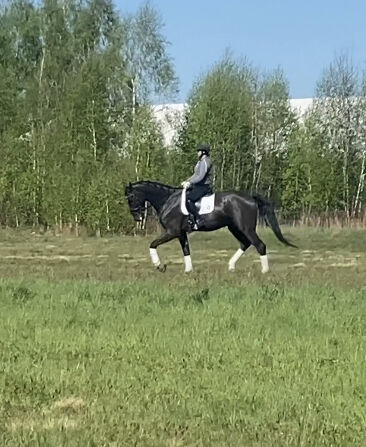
[[186, 184]]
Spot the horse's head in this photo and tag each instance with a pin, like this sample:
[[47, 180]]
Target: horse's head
[[136, 202]]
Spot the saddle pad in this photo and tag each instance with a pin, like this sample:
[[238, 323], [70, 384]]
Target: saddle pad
[[206, 205]]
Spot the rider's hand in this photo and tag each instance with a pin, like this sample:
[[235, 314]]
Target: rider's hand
[[186, 184]]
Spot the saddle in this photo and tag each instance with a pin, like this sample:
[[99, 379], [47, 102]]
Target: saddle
[[205, 205]]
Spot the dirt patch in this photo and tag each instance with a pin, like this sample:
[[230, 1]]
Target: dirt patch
[[74, 403], [51, 418]]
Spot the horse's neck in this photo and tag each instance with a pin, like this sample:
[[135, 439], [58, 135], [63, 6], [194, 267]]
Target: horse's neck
[[156, 195]]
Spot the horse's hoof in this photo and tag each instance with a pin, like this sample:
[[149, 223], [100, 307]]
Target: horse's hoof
[[162, 268]]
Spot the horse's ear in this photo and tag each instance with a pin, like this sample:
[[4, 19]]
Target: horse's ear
[[130, 185]]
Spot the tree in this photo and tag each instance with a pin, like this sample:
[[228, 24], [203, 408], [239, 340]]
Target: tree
[[340, 120], [67, 127], [219, 111], [149, 71], [272, 125]]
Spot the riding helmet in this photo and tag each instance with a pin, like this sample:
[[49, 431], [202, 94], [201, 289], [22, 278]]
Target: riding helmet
[[205, 148]]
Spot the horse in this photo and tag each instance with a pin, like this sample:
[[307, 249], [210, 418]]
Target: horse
[[235, 209]]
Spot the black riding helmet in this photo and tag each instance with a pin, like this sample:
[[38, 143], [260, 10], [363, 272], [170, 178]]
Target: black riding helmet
[[205, 148]]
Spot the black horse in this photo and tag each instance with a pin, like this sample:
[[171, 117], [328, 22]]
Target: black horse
[[236, 210]]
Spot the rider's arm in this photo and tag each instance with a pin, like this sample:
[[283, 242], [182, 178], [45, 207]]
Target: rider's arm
[[199, 172]]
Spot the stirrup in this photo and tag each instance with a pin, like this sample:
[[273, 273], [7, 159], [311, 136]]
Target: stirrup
[[192, 223]]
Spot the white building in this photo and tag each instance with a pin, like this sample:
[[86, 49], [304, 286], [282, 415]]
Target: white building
[[169, 115]]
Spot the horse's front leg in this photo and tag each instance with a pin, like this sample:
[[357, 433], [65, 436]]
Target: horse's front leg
[[166, 237], [183, 239]]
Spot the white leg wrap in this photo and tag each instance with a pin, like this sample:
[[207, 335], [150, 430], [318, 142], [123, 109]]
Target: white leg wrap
[[154, 257], [264, 261], [234, 259], [188, 264]]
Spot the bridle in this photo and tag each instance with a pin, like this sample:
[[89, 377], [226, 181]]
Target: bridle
[[141, 209]]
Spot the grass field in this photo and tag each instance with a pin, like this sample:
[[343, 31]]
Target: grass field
[[98, 349]]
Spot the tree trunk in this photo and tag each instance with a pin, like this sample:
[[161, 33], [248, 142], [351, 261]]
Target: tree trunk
[[255, 140], [35, 176], [137, 162], [94, 144], [258, 176], [345, 181], [107, 215], [222, 169], [76, 219], [361, 183]]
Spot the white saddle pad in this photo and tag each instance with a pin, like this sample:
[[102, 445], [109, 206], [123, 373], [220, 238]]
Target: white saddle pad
[[206, 205]]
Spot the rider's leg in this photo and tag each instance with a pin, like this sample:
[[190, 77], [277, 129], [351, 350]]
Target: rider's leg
[[192, 209], [194, 194]]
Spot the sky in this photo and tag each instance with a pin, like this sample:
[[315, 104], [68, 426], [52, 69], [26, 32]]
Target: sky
[[300, 36]]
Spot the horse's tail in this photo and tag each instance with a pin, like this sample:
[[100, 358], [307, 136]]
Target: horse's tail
[[267, 211]]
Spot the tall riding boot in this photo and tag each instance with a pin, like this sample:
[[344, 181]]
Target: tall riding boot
[[193, 215]]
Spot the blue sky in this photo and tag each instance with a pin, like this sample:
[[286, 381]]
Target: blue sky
[[300, 36]]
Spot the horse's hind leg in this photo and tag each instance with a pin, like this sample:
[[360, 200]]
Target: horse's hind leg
[[261, 248], [244, 244]]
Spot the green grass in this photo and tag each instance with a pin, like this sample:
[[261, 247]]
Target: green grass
[[129, 356]]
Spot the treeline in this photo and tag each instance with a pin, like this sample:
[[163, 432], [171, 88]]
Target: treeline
[[76, 83], [313, 166], [76, 80]]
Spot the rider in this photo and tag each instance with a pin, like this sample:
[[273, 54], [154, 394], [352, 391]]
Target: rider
[[200, 184]]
